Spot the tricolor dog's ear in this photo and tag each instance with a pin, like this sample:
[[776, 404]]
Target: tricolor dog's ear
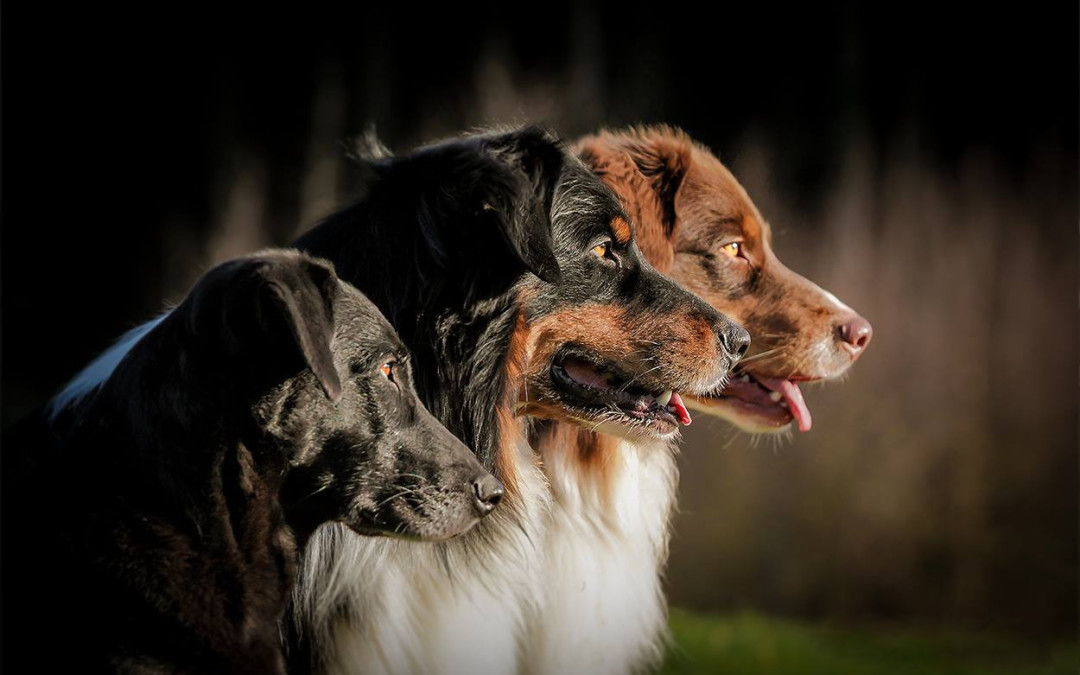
[[277, 308], [522, 204], [664, 160]]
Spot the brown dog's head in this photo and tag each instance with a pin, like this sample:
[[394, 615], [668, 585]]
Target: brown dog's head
[[696, 223]]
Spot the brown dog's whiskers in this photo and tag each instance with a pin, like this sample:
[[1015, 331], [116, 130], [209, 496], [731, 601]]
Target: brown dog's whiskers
[[772, 353]]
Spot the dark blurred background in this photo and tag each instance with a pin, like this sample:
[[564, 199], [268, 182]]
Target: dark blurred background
[[919, 160]]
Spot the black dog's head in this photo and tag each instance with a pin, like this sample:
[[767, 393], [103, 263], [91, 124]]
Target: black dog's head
[[327, 395], [512, 274]]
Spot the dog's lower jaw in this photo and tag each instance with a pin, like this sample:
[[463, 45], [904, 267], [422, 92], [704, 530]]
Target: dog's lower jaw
[[603, 609], [746, 422]]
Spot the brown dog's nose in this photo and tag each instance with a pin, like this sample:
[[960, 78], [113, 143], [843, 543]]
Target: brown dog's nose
[[855, 333], [735, 340], [488, 492]]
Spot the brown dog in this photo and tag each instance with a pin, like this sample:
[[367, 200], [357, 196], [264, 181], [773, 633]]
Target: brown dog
[[603, 608], [696, 223]]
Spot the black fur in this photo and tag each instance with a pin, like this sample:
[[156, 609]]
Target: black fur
[[440, 241], [157, 527], [448, 240]]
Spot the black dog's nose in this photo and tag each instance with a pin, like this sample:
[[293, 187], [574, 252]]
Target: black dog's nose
[[488, 491], [735, 340]]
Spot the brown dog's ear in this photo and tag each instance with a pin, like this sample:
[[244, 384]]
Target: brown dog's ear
[[664, 161], [275, 311]]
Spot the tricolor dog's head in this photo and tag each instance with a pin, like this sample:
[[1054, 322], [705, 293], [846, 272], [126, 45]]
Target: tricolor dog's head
[[697, 224], [611, 345]]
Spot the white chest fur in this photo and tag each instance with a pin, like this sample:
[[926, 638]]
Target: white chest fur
[[385, 606], [603, 607]]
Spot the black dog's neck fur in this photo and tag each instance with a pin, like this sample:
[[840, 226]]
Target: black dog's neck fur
[[184, 502]]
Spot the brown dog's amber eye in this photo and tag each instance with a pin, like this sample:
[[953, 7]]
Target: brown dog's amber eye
[[387, 370], [734, 249]]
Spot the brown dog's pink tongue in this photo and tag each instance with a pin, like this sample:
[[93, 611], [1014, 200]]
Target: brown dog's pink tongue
[[676, 402], [793, 396]]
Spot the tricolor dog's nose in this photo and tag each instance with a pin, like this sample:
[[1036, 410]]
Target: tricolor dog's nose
[[855, 334], [735, 340], [488, 492]]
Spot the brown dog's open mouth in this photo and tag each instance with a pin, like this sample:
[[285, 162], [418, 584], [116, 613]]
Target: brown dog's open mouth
[[607, 394], [761, 402]]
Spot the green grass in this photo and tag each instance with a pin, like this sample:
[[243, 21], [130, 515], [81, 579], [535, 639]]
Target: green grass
[[747, 644]]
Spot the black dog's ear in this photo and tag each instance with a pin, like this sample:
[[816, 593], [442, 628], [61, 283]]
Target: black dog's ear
[[303, 294], [275, 305], [523, 206], [663, 160]]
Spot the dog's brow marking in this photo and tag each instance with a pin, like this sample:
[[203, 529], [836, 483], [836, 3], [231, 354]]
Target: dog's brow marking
[[621, 229]]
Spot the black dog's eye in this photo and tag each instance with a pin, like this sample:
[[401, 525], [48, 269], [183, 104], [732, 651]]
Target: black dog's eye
[[604, 252], [388, 370]]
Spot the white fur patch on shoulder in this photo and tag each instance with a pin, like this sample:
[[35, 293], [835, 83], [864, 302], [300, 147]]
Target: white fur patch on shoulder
[[92, 376]]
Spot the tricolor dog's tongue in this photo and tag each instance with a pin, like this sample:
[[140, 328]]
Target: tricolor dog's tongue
[[671, 400], [676, 402], [790, 391]]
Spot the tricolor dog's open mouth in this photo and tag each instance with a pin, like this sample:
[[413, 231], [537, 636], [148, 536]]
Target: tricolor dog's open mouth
[[759, 403], [606, 393]]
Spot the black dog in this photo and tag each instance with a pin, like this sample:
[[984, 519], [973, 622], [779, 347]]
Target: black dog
[[158, 529], [511, 273]]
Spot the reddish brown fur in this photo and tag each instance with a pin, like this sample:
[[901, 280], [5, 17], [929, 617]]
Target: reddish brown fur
[[514, 371], [592, 453], [609, 331], [621, 229], [706, 208]]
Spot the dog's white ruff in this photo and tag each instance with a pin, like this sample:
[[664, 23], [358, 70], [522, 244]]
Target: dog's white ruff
[[604, 610], [573, 587], [458, 607]]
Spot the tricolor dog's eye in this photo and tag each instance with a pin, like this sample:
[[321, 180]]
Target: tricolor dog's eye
[[604, 252]]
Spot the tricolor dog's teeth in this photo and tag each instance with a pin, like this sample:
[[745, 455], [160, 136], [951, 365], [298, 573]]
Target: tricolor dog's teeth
[[663, 398], [744, 378], [775, 396]]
